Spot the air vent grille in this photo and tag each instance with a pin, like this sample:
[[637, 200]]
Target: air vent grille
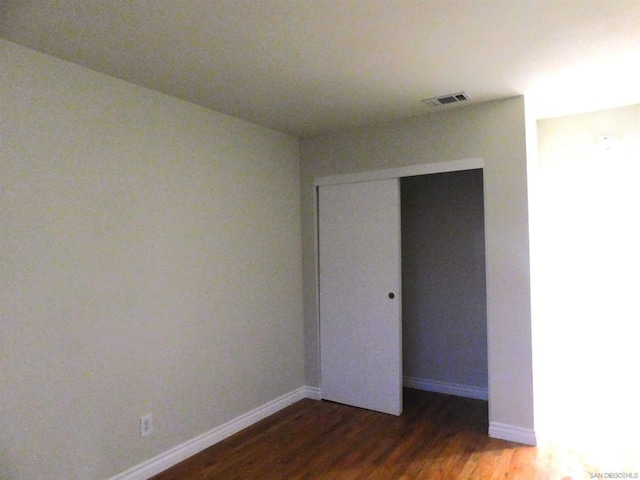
[[446, 99]]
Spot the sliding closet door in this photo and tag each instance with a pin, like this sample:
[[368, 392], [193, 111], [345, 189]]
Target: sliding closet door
[[360, 303]]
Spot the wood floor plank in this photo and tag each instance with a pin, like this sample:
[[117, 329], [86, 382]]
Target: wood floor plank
[[437, 437]]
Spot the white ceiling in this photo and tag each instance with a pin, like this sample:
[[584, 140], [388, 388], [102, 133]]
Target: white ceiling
[[312, 66]]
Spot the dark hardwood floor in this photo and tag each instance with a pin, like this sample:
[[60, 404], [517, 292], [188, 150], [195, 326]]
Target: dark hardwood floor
[[437, 437]]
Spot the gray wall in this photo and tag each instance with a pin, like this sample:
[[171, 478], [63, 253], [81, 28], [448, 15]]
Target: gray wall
[[444, 312], [149, 262], [495, 131]]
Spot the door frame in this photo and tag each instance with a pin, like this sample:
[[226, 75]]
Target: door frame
[[385, 174]]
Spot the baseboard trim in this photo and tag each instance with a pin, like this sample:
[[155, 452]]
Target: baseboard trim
[[171, 457], [446, 388], [312, 392], [512, 433]]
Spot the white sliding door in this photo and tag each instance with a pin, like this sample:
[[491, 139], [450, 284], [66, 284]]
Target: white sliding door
[[360, 298]]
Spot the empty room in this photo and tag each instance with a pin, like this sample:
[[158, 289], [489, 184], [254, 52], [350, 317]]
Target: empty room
[[333, 239]]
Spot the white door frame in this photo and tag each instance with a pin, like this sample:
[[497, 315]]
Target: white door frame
[[412, 171], [386, 174]]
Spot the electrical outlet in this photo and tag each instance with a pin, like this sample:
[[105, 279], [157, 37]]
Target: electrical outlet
[[146, 425]]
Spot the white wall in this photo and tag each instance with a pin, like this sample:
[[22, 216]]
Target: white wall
[[150, 262], [586, 243], [444, 309], [495, 131]]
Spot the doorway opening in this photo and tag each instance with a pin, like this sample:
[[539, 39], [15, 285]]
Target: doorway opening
[[361, 339], [444, 308]]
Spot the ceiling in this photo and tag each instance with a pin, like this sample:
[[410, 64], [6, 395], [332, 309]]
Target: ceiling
[[307, 67]]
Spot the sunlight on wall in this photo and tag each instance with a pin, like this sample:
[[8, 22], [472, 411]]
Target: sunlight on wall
[[589, 310]]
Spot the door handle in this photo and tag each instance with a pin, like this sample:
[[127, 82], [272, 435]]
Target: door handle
[[392, 295]]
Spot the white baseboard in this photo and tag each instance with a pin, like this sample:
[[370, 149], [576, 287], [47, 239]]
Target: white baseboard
[[171, 457], [512, 433], [446, 388], [312, 392], [502, 431]]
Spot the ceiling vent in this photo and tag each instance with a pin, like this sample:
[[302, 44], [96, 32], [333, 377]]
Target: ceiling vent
[[446, 99]]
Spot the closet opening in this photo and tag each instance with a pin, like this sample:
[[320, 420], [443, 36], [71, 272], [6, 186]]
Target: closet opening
[[402, 287], [444, 307]]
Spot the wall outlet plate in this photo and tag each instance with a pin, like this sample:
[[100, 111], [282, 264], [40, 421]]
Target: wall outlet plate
[[146, 425]]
